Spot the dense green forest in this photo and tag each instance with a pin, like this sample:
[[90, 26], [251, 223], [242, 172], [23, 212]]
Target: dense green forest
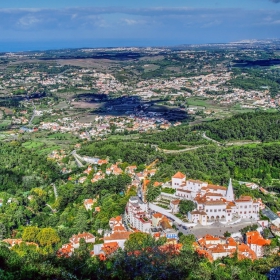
[[219, 164], [181, 135], [126, 151], [256, 79], [147, 262], [261, 126], [22, 169], [34, 214]]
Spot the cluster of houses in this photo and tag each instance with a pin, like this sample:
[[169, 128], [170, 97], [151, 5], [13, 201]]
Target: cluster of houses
[[112, 169], [102, 125], [12, 242], [215, 203], [74, 243], [19, 120], [214, 247]]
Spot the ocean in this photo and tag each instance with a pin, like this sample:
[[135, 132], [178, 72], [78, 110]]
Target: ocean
[[54, 45]]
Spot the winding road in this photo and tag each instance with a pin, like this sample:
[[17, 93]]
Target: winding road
[[238, 143]]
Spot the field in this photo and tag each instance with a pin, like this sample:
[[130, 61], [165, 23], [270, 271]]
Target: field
[[32, 145], [5, 123], [98, 64], [150, 67], [45, 142], [85, 105]]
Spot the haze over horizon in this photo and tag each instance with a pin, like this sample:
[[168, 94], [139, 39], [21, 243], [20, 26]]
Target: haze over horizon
[[31, 25]]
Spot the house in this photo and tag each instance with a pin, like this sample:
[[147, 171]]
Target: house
[[136, 214], [65, 251], [174, 205], [256, 242], [156, 218], [214, 203], [158, 184], [88, 170], [114, 169], [88, 203], [12, 242], [102, 161], [214, 247], [131, 169], [118, 232], [161, 225], [107, 249], [75, 239], [82, 180], [98, 176], [198, 217]]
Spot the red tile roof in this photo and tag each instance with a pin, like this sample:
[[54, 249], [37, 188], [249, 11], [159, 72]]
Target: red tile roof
[[254, 237], [157, 215], [179, 175], [118, 236]]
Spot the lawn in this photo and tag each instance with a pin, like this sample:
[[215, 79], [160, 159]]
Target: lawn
[[5, 123], [123, 137], [198, 101], [60, 136], [32, 144]]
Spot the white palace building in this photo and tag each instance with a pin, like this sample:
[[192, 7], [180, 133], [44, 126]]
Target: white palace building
[[214, 203]]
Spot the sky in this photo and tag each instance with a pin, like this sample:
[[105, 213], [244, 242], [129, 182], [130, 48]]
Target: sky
[[41, 24]]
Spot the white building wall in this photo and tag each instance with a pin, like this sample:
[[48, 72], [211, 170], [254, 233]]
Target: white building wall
[[176, 182]]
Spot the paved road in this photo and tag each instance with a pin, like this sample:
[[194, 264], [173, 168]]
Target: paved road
[[200, 231], [180, 151], [269, 214], [33, 115], [197, 147], [210, 139], [76, 157]]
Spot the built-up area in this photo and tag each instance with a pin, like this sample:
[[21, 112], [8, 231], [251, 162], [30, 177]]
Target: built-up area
[[54, 93], [217, 211]]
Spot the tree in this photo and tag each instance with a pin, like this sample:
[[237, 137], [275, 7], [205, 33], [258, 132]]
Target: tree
[[30, 234], [186, 206], [187, 241], [152, 193], [2, 231], [80, 222], [82, 251], [48, 236], [227, 234], [138, 241]]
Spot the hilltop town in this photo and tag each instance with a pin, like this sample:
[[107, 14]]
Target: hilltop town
[[164, 157], [89, 97]]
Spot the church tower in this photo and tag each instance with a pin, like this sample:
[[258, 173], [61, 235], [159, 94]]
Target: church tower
[[230, 194]]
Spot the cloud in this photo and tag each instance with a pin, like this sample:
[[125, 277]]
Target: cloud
[[183, 23], [28, 21], [275, 1], [129, 21]]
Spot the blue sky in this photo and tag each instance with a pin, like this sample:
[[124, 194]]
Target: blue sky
[[86, 23]]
